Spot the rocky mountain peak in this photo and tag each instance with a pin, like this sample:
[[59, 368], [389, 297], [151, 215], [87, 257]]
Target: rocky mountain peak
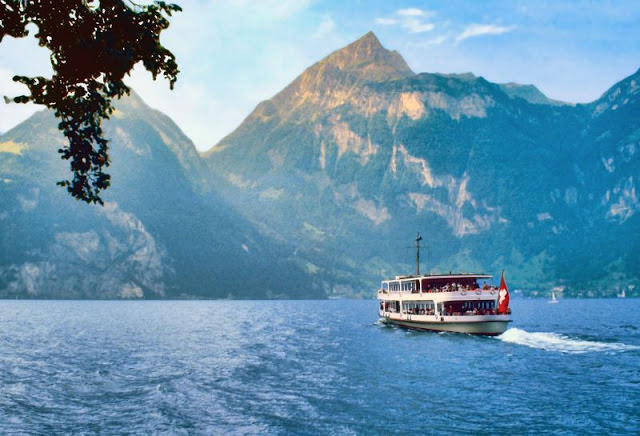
[[367, 58], [330, 82]]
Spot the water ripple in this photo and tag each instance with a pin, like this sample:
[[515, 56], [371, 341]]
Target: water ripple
[[308, 368]]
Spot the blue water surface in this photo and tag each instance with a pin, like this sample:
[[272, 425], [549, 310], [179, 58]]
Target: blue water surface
[[313, 368]]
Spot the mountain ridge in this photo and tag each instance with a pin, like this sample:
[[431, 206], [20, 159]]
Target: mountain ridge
[[321, 188], [420, 151]]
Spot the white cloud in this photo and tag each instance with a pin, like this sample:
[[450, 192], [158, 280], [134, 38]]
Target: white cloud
[[386, 21], [437, 40], [326, 27], [416, 26], [410, 19], [414, 12], [483, 29]]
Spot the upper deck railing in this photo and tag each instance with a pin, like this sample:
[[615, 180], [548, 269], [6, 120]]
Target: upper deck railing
[[445, 288]]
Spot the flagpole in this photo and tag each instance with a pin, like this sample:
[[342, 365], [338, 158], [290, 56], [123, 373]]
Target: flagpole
[[418, 239]]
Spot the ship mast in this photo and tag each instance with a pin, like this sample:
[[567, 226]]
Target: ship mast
[[418, 239]]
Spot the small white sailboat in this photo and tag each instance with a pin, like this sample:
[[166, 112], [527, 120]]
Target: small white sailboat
[[554, 294], [623, 293]]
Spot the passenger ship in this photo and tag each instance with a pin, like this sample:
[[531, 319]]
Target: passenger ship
[[446, 302]]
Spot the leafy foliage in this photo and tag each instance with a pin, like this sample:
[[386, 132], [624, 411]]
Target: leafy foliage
[[93, 45]]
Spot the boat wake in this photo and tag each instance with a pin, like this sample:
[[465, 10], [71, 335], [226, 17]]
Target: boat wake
[[561, 343]]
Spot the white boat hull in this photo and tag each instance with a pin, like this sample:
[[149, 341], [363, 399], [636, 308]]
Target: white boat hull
[[480, 325]]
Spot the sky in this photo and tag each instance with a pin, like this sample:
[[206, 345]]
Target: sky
[[234, 54]]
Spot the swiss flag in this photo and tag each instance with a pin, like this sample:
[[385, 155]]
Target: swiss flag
[[503, 299]]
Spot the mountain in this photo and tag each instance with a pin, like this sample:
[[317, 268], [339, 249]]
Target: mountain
[[322, 188], [359, 153], [156, 236]]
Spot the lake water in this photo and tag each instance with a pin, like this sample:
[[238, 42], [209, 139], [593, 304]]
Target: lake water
[[313, 367]]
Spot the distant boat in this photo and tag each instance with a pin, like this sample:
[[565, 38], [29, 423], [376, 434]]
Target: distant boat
[[554, 294], [623, 294]]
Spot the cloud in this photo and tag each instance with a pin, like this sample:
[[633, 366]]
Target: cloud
[[474, 30], [386, 21], [410, 19], [416, 26], [437, 40], [326, 27], [414, 12]]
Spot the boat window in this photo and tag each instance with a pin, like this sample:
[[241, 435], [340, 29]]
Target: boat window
[[385, 286], [481, 307], [419, 307]]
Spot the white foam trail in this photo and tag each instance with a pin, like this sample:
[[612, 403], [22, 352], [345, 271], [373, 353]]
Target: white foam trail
[[560, 343]]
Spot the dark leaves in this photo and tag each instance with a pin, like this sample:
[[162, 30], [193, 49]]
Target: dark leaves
[[93, 45]]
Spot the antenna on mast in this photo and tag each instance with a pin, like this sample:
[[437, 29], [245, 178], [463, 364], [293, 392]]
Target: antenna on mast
[[418, 239]]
